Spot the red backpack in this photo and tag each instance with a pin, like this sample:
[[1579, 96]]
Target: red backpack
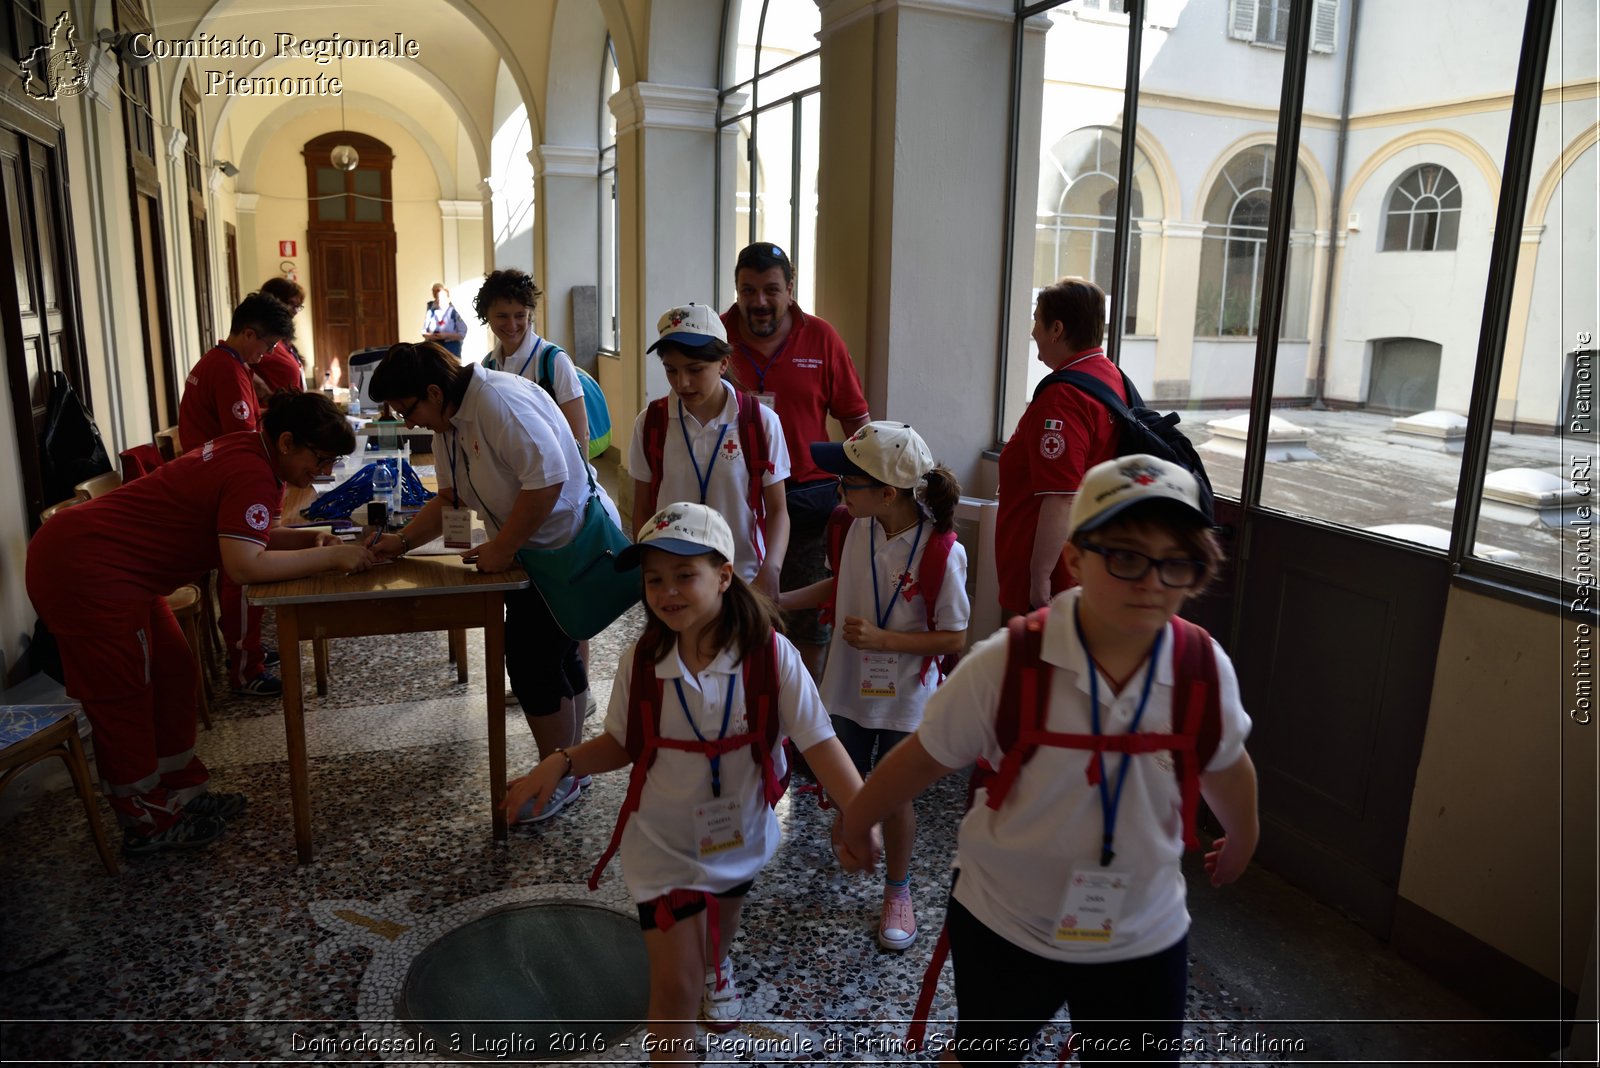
[[1019, 728], [752, 442], [930, 578], [645, 701]]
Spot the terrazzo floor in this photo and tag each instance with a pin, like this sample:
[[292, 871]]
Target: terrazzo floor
[[240, 954]]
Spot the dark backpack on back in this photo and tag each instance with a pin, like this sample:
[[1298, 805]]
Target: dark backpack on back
[[1140, 429]]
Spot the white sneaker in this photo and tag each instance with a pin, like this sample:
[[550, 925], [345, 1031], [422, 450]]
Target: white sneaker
[[566, 792], [721, 1008]]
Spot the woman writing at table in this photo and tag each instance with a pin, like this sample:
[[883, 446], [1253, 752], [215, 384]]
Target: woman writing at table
[[502, 448], [98, 574]]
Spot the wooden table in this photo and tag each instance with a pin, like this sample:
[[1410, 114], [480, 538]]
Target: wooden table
[[411, 595]]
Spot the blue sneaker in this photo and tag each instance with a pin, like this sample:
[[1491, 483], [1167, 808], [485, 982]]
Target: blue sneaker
[[265, 684], [566, 792]]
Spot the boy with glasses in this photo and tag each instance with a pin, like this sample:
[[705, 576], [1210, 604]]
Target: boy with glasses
[[1069, 887]]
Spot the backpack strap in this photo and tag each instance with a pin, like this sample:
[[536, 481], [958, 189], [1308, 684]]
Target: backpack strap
[[930, 984], [838, 526], [645, 693], [547, 359], [1196, 714], [1105, 394], [757, 460], [1025, 692], [655, 445], [761, 705], [930, 581]]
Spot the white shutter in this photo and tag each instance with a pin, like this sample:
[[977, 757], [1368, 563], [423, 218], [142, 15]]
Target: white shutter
[[1242, 19], [1325, 25]]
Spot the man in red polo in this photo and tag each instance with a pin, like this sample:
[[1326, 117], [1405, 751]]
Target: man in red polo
[[219, 398], [797, 364], [1062, 434]]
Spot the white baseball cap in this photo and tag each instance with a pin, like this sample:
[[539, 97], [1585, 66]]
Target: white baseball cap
[[684, 529], [891, 453], [1111, 488], [691, 326]]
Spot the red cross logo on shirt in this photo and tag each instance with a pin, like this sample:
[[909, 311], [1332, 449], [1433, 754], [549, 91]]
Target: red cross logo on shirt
[[730, 449], [908, 586]]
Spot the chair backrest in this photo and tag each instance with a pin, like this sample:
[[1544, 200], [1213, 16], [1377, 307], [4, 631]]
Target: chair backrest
[[99, 485], [45, 515], [167, 441], [140, 460]]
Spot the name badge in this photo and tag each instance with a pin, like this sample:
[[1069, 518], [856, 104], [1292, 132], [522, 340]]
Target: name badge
[[769, 399], [457, 528], [879, 673], [717, 826], [1094, 903]]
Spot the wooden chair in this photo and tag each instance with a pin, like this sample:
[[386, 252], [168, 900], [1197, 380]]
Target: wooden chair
[[31, 733], [169, 444], [185, 601]]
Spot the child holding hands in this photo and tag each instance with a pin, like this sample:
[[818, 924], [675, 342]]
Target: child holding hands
[[698, 688], [1068, 887], [897, 616]]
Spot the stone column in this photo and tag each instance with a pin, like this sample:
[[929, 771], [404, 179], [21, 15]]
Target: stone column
[[568, 184], [1180, 292]]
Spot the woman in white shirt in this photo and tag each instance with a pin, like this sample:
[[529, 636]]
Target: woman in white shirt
[[506, 303]]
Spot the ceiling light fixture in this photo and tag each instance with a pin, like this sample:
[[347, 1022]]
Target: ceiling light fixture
[[344, 156]]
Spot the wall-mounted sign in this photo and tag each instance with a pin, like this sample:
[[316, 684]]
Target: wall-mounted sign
[[286, 248]]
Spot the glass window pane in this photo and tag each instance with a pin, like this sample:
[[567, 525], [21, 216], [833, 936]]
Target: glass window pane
[[1371, 409], [806, 74], [804, 251], [791, 31], [369, 198], [773, 179], [330, 194], [1537, 499], [746, 16]]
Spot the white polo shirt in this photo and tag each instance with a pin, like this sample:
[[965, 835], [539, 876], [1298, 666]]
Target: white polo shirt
[[525, 363], [1016, 862], [716, 447], [659, 847], [893, 558], [509, 436]]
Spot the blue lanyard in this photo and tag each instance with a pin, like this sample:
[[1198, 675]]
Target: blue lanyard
[[703, 480], [727, 713], [762, 369], [230, 351], [531, 354], [872, 561], [1109, 800], [455, 487]]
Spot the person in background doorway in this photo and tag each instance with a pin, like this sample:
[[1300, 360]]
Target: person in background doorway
[[797, 364], [443, 324], [282, 367]]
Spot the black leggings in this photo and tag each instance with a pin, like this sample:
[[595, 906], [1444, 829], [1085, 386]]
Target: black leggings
[[542, 661], [1126, 1011]]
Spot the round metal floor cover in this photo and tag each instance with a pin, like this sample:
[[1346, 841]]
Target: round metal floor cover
[[531, 982]]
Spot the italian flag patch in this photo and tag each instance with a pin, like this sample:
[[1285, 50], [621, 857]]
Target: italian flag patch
[[1053, 424]]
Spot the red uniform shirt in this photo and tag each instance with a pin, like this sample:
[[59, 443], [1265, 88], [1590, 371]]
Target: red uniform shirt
[[218, 399], [1060, 436], [150, 536], [812, 377], [280, 370]]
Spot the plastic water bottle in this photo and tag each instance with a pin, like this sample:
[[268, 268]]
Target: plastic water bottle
[[383, 484]]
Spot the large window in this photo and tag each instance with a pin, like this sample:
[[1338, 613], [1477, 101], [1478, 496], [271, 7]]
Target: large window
[[1267, 22], [1424, 211], [767, 123], [606, 207], [1233, 256]]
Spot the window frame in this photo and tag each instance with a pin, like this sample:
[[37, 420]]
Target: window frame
[[1412, 212], [609, 283]]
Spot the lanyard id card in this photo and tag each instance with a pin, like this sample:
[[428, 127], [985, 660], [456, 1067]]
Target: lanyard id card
[[718, 827], [879, 673], [1095, 898], [768, 399], [457, 528]]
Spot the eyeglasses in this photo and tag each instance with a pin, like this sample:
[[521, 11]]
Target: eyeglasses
[[848, 486], [405, 413], [1175, 573]]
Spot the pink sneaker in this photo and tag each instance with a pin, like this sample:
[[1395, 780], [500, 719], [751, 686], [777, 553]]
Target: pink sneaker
[[897, 927]]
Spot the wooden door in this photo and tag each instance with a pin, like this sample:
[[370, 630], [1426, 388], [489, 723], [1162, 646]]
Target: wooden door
[[352, 293], [44, 335]]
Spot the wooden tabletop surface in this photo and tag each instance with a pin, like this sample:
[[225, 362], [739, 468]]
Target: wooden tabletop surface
[[410, 576]]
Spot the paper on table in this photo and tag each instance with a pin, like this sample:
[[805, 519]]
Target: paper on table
[[436, 547]]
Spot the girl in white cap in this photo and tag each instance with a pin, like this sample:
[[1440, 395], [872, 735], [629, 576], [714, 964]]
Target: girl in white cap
[[899, 593], [699, 708]]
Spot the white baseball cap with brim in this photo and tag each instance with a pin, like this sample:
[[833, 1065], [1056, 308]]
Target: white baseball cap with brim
[[690, 326], [1112, 488], [890, 453], [683, 529]]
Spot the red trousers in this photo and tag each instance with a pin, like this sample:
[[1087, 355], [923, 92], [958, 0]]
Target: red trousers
[[241, 628], [135, 676]]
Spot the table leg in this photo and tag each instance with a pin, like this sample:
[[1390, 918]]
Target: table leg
[[458, 652], [494, 663], [319, 658], [294, 728]]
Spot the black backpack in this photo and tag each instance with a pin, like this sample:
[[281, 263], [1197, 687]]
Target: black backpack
[[70, 449], [1142, 429]]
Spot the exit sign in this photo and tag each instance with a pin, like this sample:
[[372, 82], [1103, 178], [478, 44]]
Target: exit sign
[[286, 248]]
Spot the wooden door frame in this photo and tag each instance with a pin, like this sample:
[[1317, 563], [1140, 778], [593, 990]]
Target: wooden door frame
[[376, 156]]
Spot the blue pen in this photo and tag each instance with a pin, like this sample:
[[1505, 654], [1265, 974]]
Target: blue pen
[[375, 536]]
